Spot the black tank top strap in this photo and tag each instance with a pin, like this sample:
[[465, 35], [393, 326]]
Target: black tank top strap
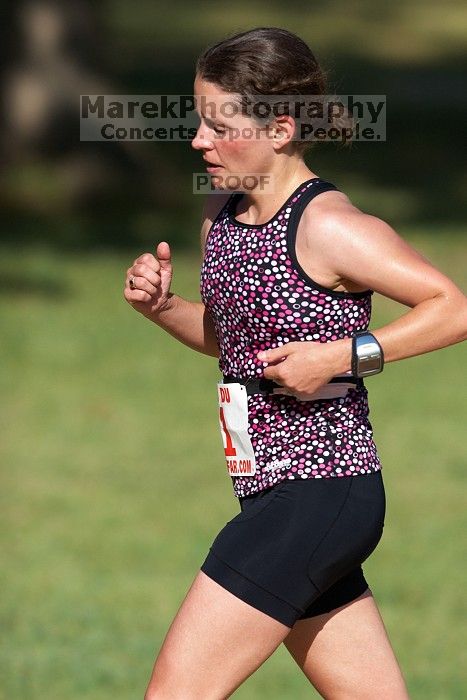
[[305, 198], [232, 202], [298, 208], [317, 187], [225, 209]]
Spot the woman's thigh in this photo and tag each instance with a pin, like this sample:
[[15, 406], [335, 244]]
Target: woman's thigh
[[346, 653], [214, 643]]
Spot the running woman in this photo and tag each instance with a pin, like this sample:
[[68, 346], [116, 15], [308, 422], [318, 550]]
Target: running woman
[[286, 286]]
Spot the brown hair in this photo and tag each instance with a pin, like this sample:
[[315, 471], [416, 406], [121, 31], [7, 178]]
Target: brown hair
[[264, 61]]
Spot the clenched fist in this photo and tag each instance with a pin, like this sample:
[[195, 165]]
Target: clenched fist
[[151, 278]]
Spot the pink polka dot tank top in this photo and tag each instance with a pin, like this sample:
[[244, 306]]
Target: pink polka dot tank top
[[259, 297]]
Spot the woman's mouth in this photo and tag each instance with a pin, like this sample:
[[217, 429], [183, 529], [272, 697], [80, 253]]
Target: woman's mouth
[[212, 167]]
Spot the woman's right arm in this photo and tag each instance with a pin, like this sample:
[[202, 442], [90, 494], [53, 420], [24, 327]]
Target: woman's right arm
[[187, 321]]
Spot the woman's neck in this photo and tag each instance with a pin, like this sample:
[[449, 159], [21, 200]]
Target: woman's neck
[[260, 205]]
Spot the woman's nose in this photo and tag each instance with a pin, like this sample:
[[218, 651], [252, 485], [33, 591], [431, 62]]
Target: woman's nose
[[201, 139]]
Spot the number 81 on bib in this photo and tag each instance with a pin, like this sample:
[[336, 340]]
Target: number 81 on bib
[[233, 423]]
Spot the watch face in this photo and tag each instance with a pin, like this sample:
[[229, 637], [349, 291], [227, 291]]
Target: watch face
[[369, 360], [371, 363]]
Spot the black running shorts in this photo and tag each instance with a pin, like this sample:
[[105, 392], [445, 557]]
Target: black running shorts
[[295, 550]]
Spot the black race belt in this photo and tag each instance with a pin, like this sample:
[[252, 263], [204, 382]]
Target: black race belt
[[261, 385]]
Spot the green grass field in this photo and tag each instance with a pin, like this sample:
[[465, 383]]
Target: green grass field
[[113, 486]]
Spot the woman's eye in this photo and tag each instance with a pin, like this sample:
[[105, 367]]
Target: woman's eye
[[218, 130]]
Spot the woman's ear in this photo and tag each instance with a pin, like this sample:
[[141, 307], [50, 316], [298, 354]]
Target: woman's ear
[[283, 130]]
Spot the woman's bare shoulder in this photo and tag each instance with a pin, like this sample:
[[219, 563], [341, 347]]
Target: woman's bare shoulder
[[332, 218], [329, 208]]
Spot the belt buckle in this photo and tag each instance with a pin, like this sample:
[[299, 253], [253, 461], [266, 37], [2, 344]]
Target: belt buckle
[[250, 381], [277, 390], [259, 382]]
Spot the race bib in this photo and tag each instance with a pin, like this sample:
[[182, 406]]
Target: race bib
[[233, 422]]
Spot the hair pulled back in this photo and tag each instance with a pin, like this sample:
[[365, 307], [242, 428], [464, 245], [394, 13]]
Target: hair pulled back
[[264, 61]]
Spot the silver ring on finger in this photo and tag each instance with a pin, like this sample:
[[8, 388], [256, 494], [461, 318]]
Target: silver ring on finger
[[131, 282]]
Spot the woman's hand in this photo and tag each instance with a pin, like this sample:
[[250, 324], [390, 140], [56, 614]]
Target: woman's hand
[[152, 276], [305, 366]]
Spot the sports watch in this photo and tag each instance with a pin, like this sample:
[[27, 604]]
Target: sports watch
[[367, 355]]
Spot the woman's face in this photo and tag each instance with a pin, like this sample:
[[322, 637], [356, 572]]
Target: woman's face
[[234, 144]]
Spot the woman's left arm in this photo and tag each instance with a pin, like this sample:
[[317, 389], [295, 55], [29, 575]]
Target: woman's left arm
[[366, 250]]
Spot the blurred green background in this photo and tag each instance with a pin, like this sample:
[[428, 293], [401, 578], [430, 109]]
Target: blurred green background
[[113, 480], [55, 188]]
